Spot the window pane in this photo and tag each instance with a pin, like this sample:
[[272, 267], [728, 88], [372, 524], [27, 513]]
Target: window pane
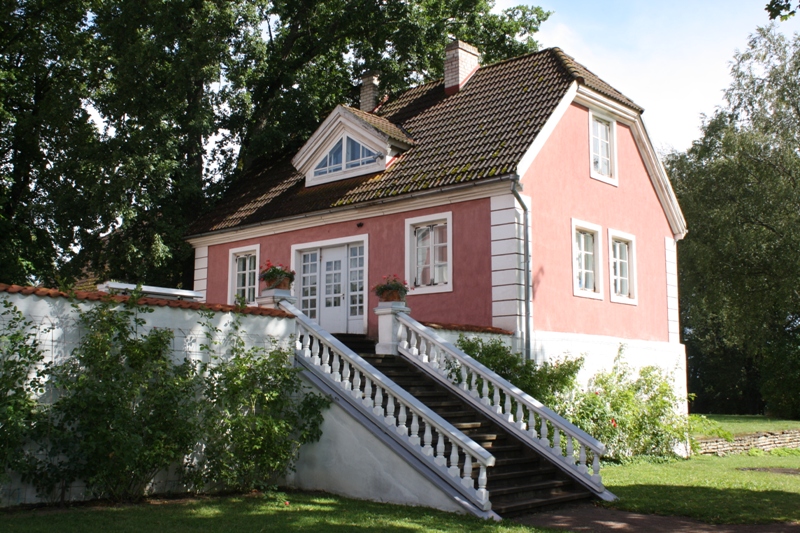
[[335, 155], [423, 275], [353, 151], [440, 234]]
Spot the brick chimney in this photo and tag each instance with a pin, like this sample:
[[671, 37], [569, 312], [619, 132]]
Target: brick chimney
[[369, 91], [460, 63]]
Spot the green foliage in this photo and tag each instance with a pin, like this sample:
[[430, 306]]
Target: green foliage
[[106, 107], [702, 426], [549, 382], [781, 9], [122, 409], [19, 383], [738, 190], [256, 415], [631, 413]]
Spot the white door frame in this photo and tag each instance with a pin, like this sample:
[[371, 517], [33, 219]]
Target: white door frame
[[298, 249]]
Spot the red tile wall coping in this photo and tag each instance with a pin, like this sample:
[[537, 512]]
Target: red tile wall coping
[[467, 328], [155, 302]]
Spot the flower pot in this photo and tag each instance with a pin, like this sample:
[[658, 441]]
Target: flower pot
[[281, 284], [390, 296]]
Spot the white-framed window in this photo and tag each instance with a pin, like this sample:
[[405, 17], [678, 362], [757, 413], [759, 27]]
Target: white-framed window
[[429, 253], [243, 273], [603, 147], [587, 260], [355, 155], [622, 267]]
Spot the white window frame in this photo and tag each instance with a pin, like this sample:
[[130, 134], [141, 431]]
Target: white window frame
[[378, 165], [613, 178], [233, 253], [633, 297], [411, 249], [597, 293]]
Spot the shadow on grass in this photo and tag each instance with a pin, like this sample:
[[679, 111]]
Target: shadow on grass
[[305, 512], [717, 506]]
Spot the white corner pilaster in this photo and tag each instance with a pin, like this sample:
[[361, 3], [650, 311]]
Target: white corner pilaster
[[387, 326], [201, 271], [670, 246], [508, 263]]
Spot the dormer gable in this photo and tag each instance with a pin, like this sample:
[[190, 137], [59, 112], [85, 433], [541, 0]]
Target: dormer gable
[[349, 143]]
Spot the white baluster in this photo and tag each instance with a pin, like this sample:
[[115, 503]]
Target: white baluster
[[453, 470], [346, 374], [481, 493], [485, 393], [325, 356], [532, 425], [582, 459], [441, 460], [367, 401], [427, 449], [378, 409], [337, 377], [315, 352], [596, 469], [402, 341], [466, 479], [389, 420], [306, 341], [423, 349], [434, 357], [414, 437], [413, 346], [570, 457], [473, 390], [520, 417], [463, 385], [356, 392], [557, 440], [496, 401], [401, 420], [444, 363], [507, 409], [543, 439]]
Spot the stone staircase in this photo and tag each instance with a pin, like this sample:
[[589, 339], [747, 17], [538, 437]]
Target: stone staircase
[[522, 479]]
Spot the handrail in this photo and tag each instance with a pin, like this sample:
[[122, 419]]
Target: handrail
[[385, 402], [506, 402]]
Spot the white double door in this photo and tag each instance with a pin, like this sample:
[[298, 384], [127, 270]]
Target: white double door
[[332, 287]]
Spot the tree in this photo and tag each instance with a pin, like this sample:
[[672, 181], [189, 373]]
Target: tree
[[782, 9], [107, 108], [739, 187]]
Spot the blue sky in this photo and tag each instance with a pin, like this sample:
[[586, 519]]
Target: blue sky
[[671, 57]]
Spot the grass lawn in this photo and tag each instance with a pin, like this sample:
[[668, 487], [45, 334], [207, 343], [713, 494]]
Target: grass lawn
[[709, 488], [743, 424], [307, 512]]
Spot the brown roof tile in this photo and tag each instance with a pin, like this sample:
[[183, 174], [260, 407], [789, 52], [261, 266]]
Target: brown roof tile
[[159, 302], [480, 132]]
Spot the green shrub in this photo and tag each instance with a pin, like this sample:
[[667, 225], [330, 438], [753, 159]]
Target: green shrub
[[256, 416], [703, 426], [548, 382], [19, 383], [632, 414], [122, 409]]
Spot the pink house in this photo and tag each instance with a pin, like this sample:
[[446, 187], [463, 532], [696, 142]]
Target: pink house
[[523, 195], [522, 198]]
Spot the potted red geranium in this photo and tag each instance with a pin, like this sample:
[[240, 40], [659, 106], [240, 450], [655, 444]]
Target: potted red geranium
[[391, 289], [276, 276]]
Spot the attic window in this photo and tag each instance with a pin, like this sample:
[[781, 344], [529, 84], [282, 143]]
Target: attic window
[[356, 155]]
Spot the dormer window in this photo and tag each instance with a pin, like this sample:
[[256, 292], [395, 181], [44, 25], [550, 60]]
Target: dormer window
[[357, 155]]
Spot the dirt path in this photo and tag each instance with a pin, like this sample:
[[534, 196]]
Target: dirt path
[[588, 517]]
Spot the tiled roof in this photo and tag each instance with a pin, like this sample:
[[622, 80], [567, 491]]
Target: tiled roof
[[155, 302], [480, 132]]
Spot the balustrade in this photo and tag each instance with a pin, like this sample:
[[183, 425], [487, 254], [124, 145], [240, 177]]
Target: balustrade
[[543, 428]]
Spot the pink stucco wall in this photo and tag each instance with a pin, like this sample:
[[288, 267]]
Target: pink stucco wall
[[471, 261], [561, 188]]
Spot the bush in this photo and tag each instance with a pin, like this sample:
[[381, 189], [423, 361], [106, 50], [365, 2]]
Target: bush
[[122, 409], [19, 383], [632, 414], [256, 417], [548, 382]]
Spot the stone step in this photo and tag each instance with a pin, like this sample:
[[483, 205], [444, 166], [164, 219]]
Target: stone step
[[512, 507]]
